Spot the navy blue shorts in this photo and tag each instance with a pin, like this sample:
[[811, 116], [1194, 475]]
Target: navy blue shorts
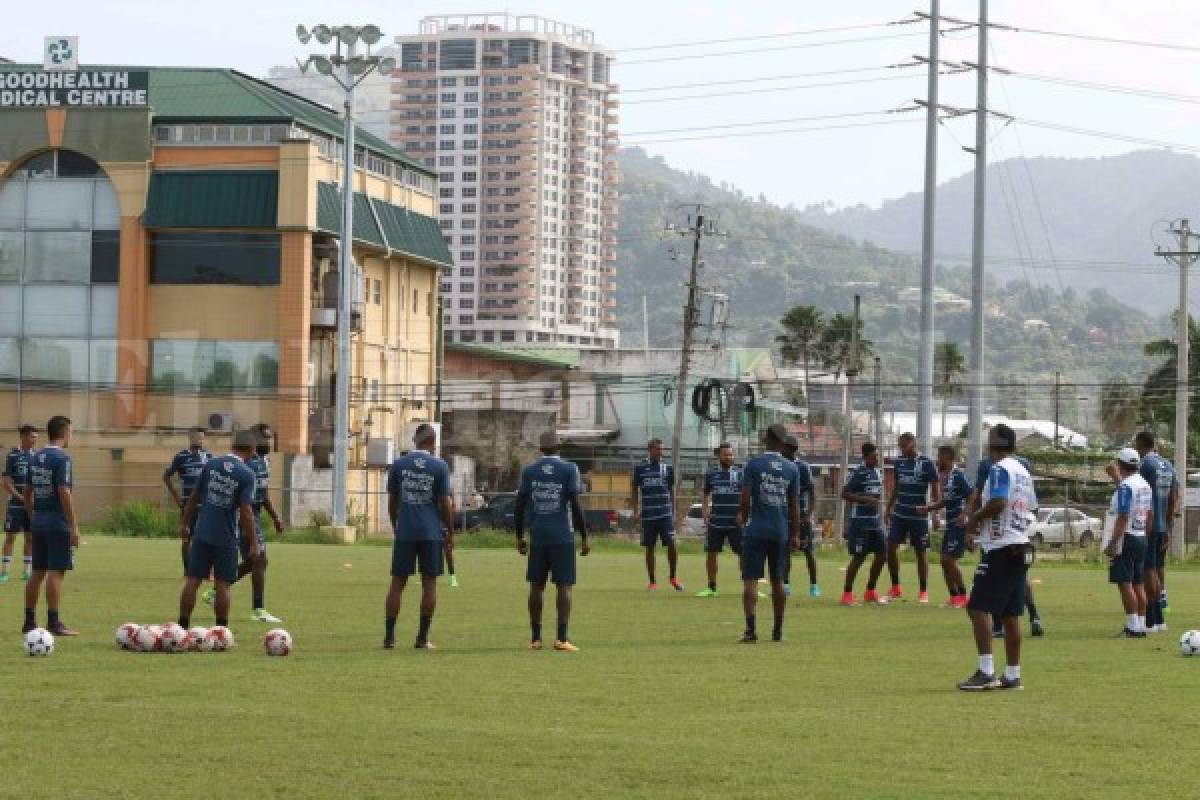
[[861, 540], [658, 530], [954, 542], [914, 532], [715, 539], [555, 562], [206, 558], [259, 537], [999, 584], [1156, 551], [51, 549], [407, 556], [764, 558], [1129, 564], [16, 520]]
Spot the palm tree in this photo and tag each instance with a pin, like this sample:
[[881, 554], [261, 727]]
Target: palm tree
[[948, 367], [1118, 408], [834, 347], [1158, 390], [802, 330]]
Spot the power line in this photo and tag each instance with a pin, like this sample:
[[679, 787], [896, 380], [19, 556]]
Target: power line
[[706, 84], [762, 122], [758, 37], [788, 130], [1095, 38], [798, 87], [751, 51]]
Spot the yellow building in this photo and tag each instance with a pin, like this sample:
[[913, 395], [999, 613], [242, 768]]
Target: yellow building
[[168, 258]]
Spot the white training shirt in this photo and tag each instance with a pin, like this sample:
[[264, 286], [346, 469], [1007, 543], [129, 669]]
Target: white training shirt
[[1135, 498], [1008, 480]]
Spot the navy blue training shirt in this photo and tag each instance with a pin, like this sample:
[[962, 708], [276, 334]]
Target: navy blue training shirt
[[420, 481], [773, 481], [187, 465], [1159, 473], [261, 468], [914, 476], [805, 485], [224, 485], [868, 481], [49, 470], [548, 485], [725, 488], [16, 467], [654, 481], [956, 488]]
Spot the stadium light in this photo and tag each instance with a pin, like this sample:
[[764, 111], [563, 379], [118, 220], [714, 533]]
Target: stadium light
[[302, 33], [370, 34], [322, 34]]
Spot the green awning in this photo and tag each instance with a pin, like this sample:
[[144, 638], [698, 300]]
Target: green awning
[[329, 215], [404, 232], [213, 199]]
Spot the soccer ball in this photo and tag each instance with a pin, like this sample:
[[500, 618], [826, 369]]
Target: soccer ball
[[1189, 643], [145, 638], [125, 636], [39, 642], [174, 639], [198, 640], [277, 642], [219, 638]]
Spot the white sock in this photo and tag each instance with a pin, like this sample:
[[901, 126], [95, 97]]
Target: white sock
[[1141, 623], [986, 665], [1013, 673], [1131, 622]]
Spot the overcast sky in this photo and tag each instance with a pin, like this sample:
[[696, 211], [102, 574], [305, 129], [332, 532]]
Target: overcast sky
[[845, 166]]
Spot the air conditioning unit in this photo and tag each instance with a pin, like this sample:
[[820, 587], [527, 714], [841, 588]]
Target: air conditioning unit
[[220, 422]]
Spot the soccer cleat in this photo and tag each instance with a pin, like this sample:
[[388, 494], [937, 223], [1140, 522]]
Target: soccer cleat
[[960, 601], [3, 577], [847, 599], [776, 636], [895, 593], [28, 626], [565, 647], [652, 586], [262, 615], [1035, 627], [209, 597], [389, 644], [62, 630], [873, 597], [749, 637], [453, 581], [423, 645], [1011, 683], [979, 682], [923, 598], [814, 591], [706, 592], [535, 644], [26, 574], [787, 590], [676, 584], [1126, 633]]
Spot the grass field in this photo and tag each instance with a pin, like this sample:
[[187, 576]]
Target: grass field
[[857, 703]]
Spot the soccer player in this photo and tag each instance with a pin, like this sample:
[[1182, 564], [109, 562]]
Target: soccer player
[[54, 528], [956, 489], [16, 518], [187, 464], [1001, 527], [653, 482], [1159, 473], [256, 567], [719, 504], [808, 501], [420, 509], [219, 508], [1133, 506], [915, 478], [769, 510], [864, 490], [549, 500]]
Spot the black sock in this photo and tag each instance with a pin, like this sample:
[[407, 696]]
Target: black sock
[[535, 631], [423, 630], [871, 584], [924, 584], [1152, 612], [750, 626], [712, 585], [562, 631], [185, 622], [258, 601], [222, 622], [1033, 612], [52, 619], [31, 616], [389, 628], [777, 629]]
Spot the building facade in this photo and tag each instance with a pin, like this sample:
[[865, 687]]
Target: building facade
[[517, 114], [168, 258]]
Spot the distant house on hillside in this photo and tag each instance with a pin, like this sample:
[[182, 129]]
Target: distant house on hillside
[[1035, 325], [942, 300]]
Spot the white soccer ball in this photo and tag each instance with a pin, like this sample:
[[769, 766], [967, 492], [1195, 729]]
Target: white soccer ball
[[219, 638], [198, 639], [1189, 643], [39, 642], [125, 636], [174, 639], [145, 638], [277, 642]]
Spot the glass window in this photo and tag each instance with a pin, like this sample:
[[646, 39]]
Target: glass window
[[248, 259], [57, 256], [40, 166], [12, 205], [106, 256], [76, 165], [213, 366], [59, 205], [56, 311], [56, 360], [12, 255], [106, 214], [10, 311], [10, 359], [102, 364], [104, 311]]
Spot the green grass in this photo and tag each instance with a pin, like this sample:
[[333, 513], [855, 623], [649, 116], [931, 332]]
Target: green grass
[[660, 702]]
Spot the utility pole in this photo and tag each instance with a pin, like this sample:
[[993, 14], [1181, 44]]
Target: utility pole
[[975, 359], [1183, 257], [1057, 387], [440, 367], [646, 359], [848, 412], [698, 230], [878, 402], [925, 356]]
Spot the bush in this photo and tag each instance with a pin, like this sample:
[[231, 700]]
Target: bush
[[139, 519]]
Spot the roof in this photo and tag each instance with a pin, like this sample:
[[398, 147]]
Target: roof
[[563, 358], [213, 199], [213, 94], [383, 225]]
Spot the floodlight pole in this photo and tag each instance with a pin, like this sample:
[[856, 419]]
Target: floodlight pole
[[341, 420]]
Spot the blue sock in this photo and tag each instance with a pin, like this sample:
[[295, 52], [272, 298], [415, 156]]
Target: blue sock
[[423, 630], [750, 626], [562, 631], [535, 631]]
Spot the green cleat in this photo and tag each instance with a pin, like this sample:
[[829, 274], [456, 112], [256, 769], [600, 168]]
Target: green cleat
[[453, 581], [3, 577], [706, 592], [762, 595], [26, 574], [262, 615], [209, 596]]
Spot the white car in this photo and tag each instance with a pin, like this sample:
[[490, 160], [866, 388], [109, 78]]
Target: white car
[[1065, 526], [693, 523]]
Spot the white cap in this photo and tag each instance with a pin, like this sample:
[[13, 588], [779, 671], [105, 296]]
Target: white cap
[[1129, 457]]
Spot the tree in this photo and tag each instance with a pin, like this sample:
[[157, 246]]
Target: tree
[[834, 347], [948, 367], [1118, 408], [1158, 391], [803, 327]]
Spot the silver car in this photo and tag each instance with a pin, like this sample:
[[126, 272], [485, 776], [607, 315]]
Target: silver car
[[1065, 526]]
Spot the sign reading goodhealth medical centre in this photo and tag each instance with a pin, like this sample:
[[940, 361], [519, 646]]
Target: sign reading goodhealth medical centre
[[85, 88]]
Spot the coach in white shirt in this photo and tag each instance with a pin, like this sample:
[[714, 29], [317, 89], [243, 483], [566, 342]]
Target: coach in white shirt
[[1133, 508]]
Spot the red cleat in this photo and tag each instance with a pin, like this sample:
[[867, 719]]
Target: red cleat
[[959, 602], [651, 586], [872, 596], [848, 599], [923, 598], [895, 592], [676, 584]]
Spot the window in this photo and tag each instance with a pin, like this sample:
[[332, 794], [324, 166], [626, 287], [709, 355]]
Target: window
[[416, 304], [466, 302], [449, 97], [208, 365], [429, 304], [245, 259], [458, 54], [467, 319], [377, 292]]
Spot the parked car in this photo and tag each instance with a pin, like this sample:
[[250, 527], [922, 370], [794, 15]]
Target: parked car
[[1065, 526], [500, 512], [693, 523]]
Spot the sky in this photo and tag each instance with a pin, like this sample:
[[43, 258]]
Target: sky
[[842, 166]]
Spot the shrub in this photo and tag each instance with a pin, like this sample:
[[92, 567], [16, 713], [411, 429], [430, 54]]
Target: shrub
[[139, 519]]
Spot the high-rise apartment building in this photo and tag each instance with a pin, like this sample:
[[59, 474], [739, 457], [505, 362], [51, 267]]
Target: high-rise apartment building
[[517, 115]]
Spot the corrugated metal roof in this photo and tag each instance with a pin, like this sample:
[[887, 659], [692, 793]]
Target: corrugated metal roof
[[542, 356], [403, 231], [213, 199]]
